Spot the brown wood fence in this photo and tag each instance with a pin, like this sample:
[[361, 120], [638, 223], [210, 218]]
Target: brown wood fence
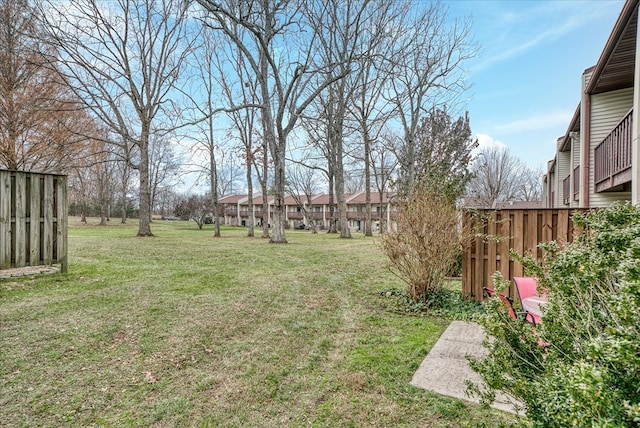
[[33, 219], [502, 230]]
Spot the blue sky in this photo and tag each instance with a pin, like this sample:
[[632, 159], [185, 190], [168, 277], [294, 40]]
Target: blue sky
[[526, 80]]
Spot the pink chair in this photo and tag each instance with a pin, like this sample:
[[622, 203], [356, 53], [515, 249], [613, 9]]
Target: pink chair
[[530, 300]]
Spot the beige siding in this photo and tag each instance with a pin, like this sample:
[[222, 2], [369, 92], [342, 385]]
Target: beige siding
[[575, 151], [575, 161], [563, 169], [606, 112]]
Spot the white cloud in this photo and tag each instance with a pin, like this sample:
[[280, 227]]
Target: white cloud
[[548, 120], [486, 141]]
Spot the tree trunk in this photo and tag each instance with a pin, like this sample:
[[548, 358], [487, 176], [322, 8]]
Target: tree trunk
[[277, 231], [144, 228], [250, 218], [367, 182], [214, 191], [345, 232]]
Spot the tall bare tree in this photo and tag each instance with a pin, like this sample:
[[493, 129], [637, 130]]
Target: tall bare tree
[[499, 176], [164, 165], [124, 59], [39, 116], [368, 110], [302, 187], [240, 92], [281, 58], [344, 29], [426, 73], [383, 164]]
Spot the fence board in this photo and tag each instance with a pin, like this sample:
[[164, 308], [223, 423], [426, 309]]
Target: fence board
[[34, 222], [47, 231], [33, 219], [5, 220], [62, 215], [20, 220], [503, 230]]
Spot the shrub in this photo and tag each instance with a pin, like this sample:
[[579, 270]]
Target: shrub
[[589, 373], [444, 303], [426, 244]]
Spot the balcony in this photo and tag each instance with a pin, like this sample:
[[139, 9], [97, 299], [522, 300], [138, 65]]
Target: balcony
[[613, 158], [567, 196], [294, 215]]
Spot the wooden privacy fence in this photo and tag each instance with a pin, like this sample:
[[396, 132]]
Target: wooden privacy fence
[[33, 219], [502, 230]]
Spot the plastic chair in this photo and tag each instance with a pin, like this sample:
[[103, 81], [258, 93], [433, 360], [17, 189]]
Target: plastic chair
[[508, 301], [527, 288]]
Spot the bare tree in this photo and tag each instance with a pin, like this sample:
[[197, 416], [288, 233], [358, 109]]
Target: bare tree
[[240, 95], [531, 184], [343, 25], [383, 164], [426, 73], [281, 58], [498, 177], [164, 165], [39, 117], [124, 59], [368, 108], [302, 187]]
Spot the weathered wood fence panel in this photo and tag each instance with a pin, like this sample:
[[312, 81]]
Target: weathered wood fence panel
[[499, 231], [33, 219]]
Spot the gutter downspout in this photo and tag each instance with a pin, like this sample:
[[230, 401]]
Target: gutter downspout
[[585, 160], [635, 143]]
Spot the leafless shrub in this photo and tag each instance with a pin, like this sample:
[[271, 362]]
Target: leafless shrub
[[427, 241]]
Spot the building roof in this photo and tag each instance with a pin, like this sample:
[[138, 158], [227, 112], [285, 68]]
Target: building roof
[[615, 67], [231, 199], [360, 198]]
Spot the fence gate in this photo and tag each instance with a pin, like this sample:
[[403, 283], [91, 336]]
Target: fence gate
[[33, 219], [502, 230]]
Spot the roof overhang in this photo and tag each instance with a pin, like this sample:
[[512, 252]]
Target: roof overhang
[[615, 68], [574, 126]]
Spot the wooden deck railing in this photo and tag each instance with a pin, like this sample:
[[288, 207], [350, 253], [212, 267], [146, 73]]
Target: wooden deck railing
[[613, 156], [576, 183]]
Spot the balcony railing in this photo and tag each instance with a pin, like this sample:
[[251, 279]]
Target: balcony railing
[[294, 215], [567, 195], [613, 156]]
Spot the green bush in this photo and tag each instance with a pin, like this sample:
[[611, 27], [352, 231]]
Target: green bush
[[588, 374]]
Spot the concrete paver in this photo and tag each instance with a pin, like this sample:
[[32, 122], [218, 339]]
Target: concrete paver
[[445, 369]]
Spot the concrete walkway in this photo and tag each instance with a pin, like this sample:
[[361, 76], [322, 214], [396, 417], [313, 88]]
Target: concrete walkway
[[445, 369]]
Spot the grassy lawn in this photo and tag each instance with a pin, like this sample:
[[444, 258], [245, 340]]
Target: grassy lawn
[[188, 330]]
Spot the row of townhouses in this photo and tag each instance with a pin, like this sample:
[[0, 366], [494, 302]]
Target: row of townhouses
[[235, 209], [597, 160]]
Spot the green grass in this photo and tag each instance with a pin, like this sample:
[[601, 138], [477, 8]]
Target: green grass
[[184, 329]]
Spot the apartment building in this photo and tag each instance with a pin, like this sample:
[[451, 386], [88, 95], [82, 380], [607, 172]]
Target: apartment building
[[597, 160], [300, 211]]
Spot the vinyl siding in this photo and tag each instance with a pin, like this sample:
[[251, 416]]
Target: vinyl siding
[[575, 161], [607, 110], [575, 151], [563, 169]]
